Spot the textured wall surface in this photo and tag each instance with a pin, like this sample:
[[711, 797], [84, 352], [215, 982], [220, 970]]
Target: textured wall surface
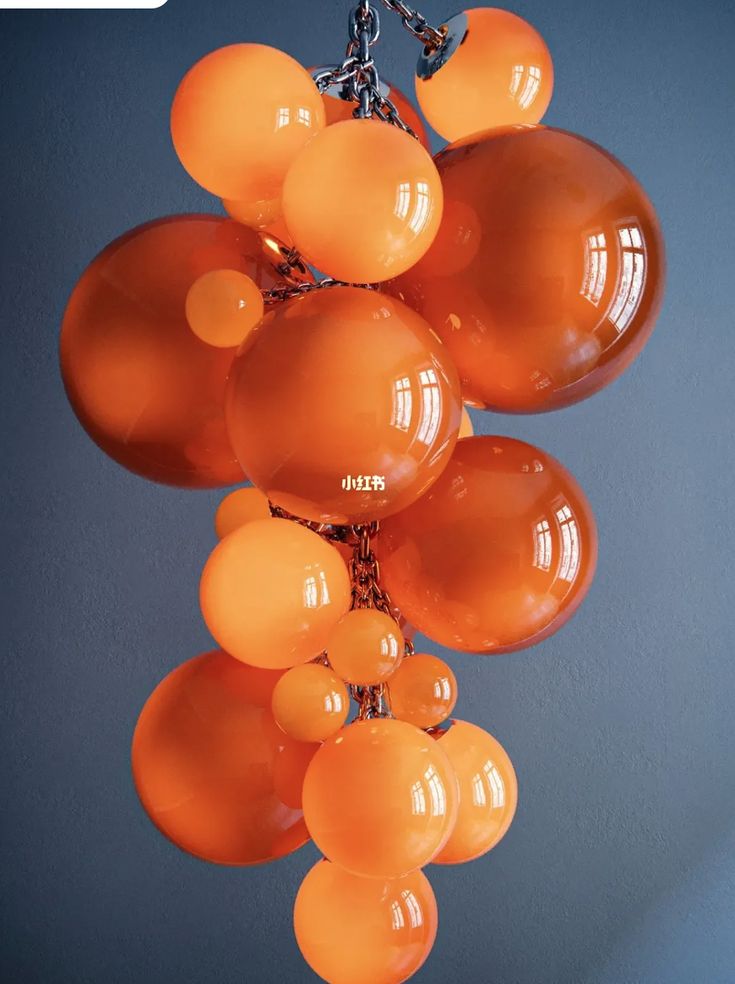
[[619, 868]]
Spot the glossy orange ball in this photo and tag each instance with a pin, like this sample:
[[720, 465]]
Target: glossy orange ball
[[204, 756], [310, 702], [145, 388], [497, 555], [256, 214], [338, 109], [422, 691], [343, 406], [561, 289], [365, 647], [354, 930], [365, 231], [380, 798], [272, 591], [240, 117], [240, 507], [465, 428], [494, 69], [222, 306], [488, 792]]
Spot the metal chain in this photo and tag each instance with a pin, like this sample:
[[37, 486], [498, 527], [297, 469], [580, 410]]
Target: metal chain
[[284, 292], [416, 24]]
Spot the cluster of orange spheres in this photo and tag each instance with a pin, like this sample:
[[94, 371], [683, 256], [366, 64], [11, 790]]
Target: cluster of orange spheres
[[518, 270]]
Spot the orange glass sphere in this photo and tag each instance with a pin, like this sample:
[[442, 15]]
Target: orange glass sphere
[[257, 215], [145, 388], [365, 647], [338, 109], [354, 930], [380, 798], [222, 306], [240, 507], [343, 405], [494, 69], [465, 428], [272, 592], [497, 555], [204, 753], [423, 690], [310, 702], [488, 792], [239, 118], [363, 231], [563, 288]]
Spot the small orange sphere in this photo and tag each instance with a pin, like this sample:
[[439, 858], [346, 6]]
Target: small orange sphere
[[338, 109], [222, 306], [343, 406], [422, 691], [465, 428], [488, 792], [494, 69], [354, 930], [204, 757], [272, 592], [380, 798], [310, 702], [256, 214], [363, 231], [240, 507], [239, 118], [366, 647], [497, 555]]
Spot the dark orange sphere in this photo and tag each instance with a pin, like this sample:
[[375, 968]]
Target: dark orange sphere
[[546, 276], [145, 388], [497, 555]]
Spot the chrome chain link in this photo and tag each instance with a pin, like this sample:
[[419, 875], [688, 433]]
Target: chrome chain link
[[416, 24], [284, 292]]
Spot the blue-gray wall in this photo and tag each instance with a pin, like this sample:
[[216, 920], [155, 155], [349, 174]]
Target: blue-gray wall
[[619, 867]]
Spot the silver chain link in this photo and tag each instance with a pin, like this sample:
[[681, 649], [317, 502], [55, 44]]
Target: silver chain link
[[416, 24]]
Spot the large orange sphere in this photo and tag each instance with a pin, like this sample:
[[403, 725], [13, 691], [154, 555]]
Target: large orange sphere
[[354, 930], [497, 555], [355, 230], [310, 702], [145, 388], [239, 118], [488, 792], [564, 269], [205, 755], [343, 405], [380, 798], [338, 109], [493, 69], [272, 592], [366, 647], [422, 691]]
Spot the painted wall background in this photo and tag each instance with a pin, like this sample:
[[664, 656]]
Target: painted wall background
[[620, 866]]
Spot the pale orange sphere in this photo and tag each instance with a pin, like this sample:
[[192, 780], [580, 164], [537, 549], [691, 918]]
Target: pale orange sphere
[[380, 798], [239, 118], [256, 214], [465, 428], [488, 792], [240, 507], [354, 930], [366, 647], [423, 690], [272, 592], [355, 230], [310, 702], [222, 306], [494, 69]]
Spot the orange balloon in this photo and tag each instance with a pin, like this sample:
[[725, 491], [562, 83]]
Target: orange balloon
[[310, 702], [272, 592], [354, 930], [465, 428], [380, 798], [222, 306], [497, 555], [363, 231], [488, 792], [240, 507], [365, 647], [422, 691], [493, 69], [565, 282], [240, 116], [343, 406], [257, 215], [204, 753], [145, 388]]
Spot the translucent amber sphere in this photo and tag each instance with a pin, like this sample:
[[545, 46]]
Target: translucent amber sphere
[[366, 647], [354, 930], [343, 405], [205, 753], [272, 592], [422, 691], [310, 702], [488, 792], [240, 507], [257, 214], [222, 306], [497, 555], [362, 231], [145, 388], [338, 109], [380, 798], [494, 70], [562, 287], [239, 118]]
